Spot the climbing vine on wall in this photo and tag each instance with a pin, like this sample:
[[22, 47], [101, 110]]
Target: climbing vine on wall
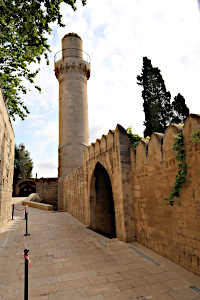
[[182, 168], [196, 136], [134, 138]]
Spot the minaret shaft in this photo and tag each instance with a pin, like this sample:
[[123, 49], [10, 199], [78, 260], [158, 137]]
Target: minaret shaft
[[72, 72]]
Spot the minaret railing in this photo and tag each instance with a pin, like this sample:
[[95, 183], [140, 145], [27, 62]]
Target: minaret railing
[[76, 53]]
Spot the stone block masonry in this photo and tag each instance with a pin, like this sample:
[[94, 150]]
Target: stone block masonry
[[72, 72], [139, 181], [46, 188], [115, 190], [106, 167], [172, 231], [7, 148]]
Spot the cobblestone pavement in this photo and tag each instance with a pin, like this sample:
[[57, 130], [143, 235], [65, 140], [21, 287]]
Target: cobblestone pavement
[[70, 261]]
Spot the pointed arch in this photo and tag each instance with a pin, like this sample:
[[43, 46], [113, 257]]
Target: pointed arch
[[102, 211]]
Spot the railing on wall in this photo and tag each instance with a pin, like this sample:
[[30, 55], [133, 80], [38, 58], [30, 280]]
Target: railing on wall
[[72, 52]]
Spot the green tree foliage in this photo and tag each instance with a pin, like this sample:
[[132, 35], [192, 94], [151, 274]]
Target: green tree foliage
[[159, 112], [134, 138], [23, 164], [156, 98], [196, 136], [180, 110], [24, 25]]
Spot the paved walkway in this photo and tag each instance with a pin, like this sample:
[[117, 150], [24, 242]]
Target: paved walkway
[[70, 261]]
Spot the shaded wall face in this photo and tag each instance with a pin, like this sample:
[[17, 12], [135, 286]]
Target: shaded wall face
[[102, 213]]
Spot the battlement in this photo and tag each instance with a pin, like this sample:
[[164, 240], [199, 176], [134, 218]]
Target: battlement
[[141, 179], [159, 148], [148, 151], [106, 143]]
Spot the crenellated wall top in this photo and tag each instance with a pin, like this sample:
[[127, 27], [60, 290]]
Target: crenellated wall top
[[102, 145], [147, 150], [153, 150]]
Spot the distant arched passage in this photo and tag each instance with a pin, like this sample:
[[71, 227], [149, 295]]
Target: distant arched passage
[[26, 189], [102, 212]]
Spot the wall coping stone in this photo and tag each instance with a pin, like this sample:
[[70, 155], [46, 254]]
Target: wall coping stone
[[30, 202]]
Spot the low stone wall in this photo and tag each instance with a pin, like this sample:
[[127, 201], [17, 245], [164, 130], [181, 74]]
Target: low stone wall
[[32, 201], [172, 231], [7, 146], [34, 197], [46, 188]]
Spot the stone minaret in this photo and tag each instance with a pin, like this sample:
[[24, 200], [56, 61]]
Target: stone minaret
[[72, 69]]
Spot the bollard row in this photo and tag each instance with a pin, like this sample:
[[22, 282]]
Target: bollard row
[[26, 252]]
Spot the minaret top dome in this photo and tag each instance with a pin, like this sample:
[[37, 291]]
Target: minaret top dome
[[72, 34]]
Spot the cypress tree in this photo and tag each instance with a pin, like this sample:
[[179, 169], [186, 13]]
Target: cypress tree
[[180, 109], [157, 107]]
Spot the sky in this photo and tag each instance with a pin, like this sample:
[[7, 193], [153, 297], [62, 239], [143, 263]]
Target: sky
[[117, 35]]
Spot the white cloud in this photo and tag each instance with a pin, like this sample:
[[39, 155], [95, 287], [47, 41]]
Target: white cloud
[[116, 34]]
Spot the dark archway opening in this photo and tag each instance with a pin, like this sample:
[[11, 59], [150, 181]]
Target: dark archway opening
[[102, 212], [26, 190]]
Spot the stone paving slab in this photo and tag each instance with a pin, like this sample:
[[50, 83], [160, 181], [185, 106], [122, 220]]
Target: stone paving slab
[[70, 261]]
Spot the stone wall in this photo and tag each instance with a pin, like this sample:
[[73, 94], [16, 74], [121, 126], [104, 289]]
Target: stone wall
[[140, 180], [46, 188], [112, 152], [7, 146], [172, 231], [73, 196]]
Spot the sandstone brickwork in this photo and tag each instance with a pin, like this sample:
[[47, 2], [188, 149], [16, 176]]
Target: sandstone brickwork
[[72, 72], [172, 231], [7, 146], [140, 180], [112, 152], [119, 191], [46, 188]]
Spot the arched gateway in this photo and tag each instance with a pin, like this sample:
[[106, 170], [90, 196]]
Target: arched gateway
[[102, 211], [100, 197]]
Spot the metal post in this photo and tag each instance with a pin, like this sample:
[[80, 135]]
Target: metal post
[[25, 214], [26, 217], [26, 251], [12, 211]]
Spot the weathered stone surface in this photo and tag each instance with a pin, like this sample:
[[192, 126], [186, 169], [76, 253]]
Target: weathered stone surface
[[46, 188], [171, 231], [110, 157], [72, 72], [31, 201], [7, 146], [140, 181], [120, 192]]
